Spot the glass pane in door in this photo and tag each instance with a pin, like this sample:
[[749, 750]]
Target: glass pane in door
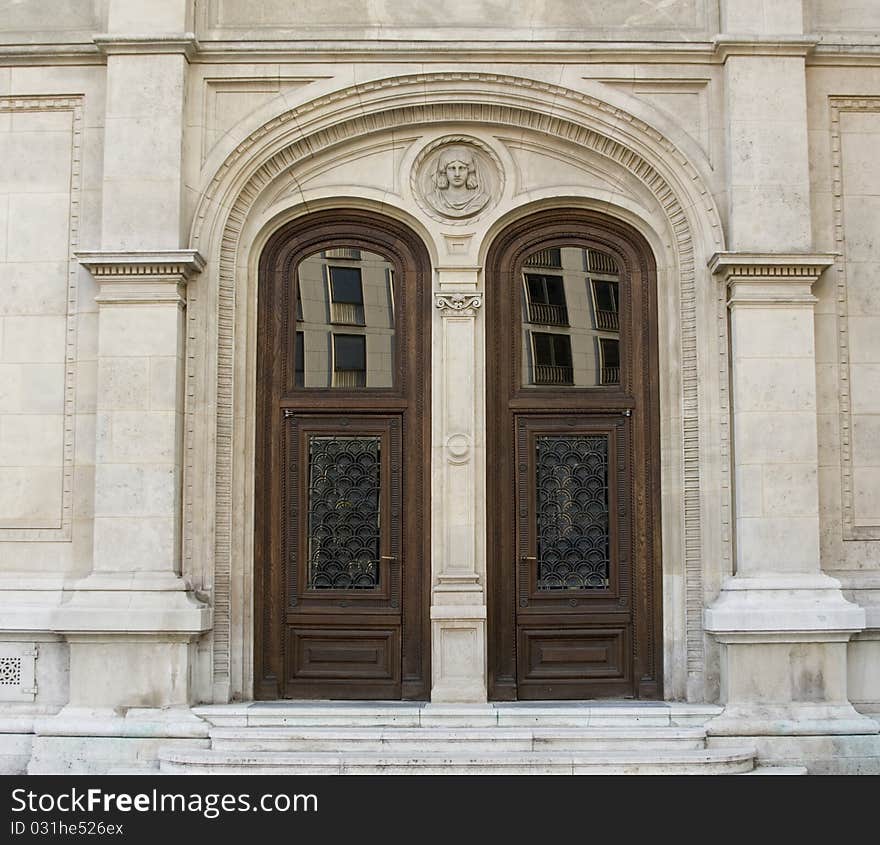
[[572, 512], [570, 321], [345, 320], [343, 513]]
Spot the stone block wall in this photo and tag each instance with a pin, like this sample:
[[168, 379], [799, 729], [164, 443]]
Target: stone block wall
[[176, 112]]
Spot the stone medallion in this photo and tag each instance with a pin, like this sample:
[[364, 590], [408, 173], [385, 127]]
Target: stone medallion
[[456, 178]]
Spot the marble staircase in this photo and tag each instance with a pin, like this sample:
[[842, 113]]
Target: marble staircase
[[411, 738]]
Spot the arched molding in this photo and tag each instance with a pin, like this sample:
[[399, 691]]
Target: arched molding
[[693, 226]]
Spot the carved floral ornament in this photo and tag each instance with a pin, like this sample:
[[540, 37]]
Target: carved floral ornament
[[458, 304], [456, 178]]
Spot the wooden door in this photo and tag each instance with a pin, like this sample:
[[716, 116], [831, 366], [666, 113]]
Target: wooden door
[[574, 546], [341, 497]]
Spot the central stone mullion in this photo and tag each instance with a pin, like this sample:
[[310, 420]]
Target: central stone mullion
[[458, 604]]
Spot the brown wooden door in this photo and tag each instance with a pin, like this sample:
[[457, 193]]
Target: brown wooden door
[[574, 546], [341, 497]]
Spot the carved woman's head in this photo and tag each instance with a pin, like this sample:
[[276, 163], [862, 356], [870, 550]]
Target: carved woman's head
[[457, 168]]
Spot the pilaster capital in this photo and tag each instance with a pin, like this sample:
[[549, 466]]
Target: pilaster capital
[[114, 44], [766, 279], [142, 277], [458, 303], [735, 44]]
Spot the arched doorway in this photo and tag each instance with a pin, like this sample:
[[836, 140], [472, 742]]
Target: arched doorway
[[341, 497], [573, 461]]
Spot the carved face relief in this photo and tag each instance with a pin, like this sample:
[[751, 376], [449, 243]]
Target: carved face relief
[[456, 178]]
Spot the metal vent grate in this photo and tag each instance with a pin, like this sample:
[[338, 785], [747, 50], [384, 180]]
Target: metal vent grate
[[18, 671], [10, 671]]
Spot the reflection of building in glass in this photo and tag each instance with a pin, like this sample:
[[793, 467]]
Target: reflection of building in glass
[[345, 320], [571, 326]]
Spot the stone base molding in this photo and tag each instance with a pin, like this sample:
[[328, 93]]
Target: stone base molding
[[784, 657], [98, 740], [458, 651]]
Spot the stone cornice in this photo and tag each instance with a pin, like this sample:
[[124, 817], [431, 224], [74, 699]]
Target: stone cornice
[[458, 304], [773, 267], [184, 43], [769, 280], [843, 54], [56, 54], [172, 262], [818, 50], [749, 45], [588, 52], [142, 278]]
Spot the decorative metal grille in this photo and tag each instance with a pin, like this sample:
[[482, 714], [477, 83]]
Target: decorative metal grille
[[572, 512], [343, 513], [10, 671]]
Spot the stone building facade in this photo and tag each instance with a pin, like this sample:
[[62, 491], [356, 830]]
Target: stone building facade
[[567, 312]]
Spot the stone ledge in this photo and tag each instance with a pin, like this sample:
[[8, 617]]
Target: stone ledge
[[136, 722], [113, 44], [107, 617], [744, 44]]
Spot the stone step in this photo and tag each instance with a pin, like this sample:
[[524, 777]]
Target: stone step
[[777, 770], [453, 740], [420, 714], [690, 761]]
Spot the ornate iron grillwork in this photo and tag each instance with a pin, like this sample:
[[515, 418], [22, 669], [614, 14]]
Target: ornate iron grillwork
[[343, 513], [572, 512]]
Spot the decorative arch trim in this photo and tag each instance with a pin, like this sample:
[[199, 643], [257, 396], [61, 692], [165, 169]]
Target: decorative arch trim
[[402, 102]]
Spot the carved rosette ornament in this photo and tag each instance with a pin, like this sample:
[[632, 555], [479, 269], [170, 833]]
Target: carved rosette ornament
[[456, 178], [458, 304]]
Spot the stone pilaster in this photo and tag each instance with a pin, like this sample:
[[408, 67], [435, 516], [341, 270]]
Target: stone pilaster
[[135, 602], [148, 47], [783, 625], [458, 604], [763, 49]]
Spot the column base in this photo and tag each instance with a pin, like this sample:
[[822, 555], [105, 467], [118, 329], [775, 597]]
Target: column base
[[783, 645], [133, 602], [458, 637], [791, 719], [776, 604], [121, 671]]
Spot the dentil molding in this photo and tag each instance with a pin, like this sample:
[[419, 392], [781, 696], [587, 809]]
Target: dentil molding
[[142, 277], [796, 266], [489, 99]]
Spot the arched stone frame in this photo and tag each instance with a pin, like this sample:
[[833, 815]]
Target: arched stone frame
[[217, 540]]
